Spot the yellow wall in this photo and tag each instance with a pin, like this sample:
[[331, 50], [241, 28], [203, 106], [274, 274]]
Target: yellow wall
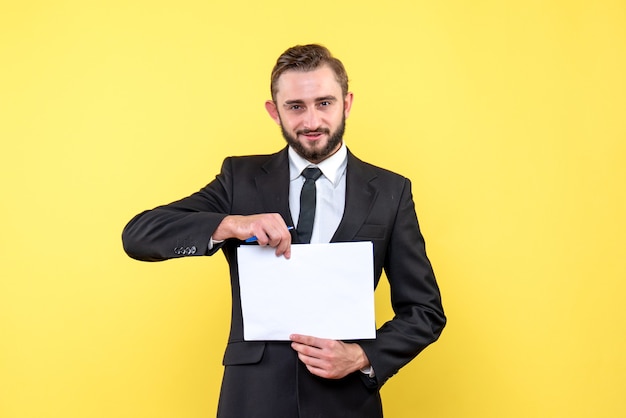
[[509, 117]]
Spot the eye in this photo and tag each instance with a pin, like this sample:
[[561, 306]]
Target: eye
[[325, 103], [295, 107]]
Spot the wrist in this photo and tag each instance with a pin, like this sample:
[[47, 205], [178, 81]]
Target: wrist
[[363, 362], [225, 229]]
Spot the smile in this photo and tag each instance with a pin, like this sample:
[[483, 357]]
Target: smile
[[313, 135]]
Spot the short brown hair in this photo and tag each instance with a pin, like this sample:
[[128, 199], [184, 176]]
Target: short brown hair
[[308, 58]]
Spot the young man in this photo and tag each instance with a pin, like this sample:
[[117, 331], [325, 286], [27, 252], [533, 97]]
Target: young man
[[354, 201]]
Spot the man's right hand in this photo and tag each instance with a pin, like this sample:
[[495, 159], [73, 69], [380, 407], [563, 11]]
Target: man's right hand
[[269, 228]]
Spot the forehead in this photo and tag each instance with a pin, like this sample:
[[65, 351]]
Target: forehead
[[301, 85]]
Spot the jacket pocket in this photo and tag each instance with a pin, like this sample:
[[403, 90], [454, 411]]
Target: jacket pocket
[[243, 352]]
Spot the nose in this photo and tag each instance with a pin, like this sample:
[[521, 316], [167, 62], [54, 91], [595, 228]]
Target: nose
[[312, 119]]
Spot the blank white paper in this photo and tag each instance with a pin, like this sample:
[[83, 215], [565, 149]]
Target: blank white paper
[[323, 290]]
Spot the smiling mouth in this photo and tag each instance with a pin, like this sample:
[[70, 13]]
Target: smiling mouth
[[313, 134]]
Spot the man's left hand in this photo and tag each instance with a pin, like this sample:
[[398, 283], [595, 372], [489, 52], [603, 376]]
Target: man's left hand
[[330, 359]]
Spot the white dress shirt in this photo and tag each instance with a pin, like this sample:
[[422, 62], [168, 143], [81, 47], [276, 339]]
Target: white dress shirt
[[330, 196]]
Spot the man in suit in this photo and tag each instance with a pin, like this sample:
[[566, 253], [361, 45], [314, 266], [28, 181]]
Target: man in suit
[[354, 201]]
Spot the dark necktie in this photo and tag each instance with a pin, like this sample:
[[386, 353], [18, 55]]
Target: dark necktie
[[307, 205]]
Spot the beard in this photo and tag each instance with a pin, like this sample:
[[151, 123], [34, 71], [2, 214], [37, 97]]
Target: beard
[[316, 155]]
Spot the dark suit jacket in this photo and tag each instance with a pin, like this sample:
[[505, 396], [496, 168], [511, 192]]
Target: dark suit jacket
[[379, 208]]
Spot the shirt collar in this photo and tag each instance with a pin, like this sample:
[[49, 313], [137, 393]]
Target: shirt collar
[[332, 167]]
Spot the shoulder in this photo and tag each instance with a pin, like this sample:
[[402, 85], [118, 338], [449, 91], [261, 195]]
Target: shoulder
[[255, 162], [365, 169]]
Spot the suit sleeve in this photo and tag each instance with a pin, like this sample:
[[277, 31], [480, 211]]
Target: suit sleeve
[[419, 317], [182, 228]]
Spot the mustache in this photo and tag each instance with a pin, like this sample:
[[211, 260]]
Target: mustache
[[313, 131]]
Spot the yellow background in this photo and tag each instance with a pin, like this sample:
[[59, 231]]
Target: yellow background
[[508, 116]]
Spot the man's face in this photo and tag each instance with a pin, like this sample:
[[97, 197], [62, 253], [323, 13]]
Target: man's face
[[311, 111]]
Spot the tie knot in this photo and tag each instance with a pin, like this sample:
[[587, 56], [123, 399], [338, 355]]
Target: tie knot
[[311, 173]]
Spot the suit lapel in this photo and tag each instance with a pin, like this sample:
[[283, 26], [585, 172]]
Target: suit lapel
[[273, 186], [360, 196]]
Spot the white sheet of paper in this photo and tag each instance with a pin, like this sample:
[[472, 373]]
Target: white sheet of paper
[[323, 290]]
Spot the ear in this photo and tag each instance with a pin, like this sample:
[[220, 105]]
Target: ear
[[347, 103], [271, 108]]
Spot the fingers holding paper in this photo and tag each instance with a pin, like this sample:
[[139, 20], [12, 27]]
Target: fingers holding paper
[[268, 229], [330, 359]]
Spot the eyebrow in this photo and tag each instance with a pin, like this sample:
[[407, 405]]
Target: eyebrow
[[318, 99]]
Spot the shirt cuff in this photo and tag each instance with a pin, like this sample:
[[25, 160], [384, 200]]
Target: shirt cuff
[[369, 371], [213, 242]]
